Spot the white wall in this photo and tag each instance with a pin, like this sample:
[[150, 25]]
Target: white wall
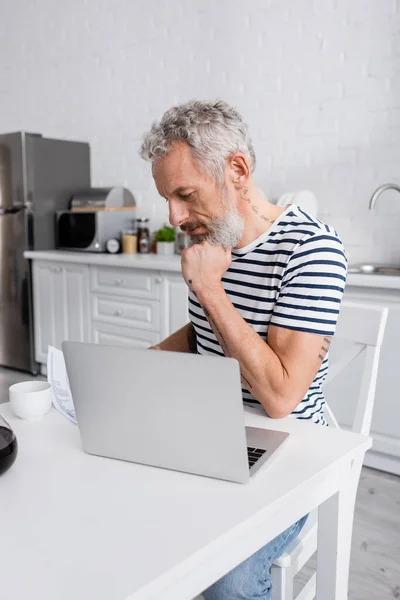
[[317, 80]]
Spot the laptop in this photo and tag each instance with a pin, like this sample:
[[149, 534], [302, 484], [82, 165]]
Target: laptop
[[172, 410]]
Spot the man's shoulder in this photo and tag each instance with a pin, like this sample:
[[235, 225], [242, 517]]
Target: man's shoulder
[[308, 228]]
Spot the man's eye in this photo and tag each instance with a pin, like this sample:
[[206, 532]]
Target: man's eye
[[186, 196]]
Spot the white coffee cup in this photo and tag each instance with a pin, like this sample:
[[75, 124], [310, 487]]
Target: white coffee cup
[[30, 399]]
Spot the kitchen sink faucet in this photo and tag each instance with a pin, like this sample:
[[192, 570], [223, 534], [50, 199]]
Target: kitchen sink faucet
[[380, 190]]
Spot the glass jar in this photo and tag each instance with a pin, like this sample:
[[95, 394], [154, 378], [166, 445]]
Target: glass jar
[[129, 241], [143, 236], [8, 446]]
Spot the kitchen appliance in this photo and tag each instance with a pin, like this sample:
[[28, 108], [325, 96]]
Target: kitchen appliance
[[115, 198], [96, 215], [89, 231], [305, 199], [37, 177]]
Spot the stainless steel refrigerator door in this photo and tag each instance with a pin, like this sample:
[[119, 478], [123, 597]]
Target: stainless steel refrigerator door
[[37, 178], [6, 192], [15, 321]]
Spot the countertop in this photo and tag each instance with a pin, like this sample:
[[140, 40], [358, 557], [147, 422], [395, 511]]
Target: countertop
[[384, 282], [133, 261], [173, 263]]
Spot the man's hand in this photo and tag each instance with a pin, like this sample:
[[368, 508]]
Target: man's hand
[[203, 266]]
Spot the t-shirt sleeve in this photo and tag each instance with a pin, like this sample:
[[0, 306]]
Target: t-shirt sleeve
[[312, 286]]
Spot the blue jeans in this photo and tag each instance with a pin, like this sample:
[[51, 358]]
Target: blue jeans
[[251, 580]]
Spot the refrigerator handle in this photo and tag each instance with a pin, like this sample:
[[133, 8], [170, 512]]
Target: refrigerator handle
[[21, 205], [11, 211], [29, 222], [29, 201]]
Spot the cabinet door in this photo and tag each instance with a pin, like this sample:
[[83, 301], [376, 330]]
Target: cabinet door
[[76, 303], [61, 305], [47, 284], [175, 303], [123, 310], [137, 283], [113, 335]]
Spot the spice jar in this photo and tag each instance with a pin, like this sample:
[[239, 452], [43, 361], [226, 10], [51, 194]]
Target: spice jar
[[129, 241], [143, 236]]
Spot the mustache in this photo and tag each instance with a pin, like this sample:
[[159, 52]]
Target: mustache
[[188, 227]]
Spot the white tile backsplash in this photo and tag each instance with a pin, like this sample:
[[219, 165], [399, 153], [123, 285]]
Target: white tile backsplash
[[318, 83]]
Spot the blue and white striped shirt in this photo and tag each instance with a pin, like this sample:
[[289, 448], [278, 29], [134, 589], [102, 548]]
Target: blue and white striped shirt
[[292, 276]]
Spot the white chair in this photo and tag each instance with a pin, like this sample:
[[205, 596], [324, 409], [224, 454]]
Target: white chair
[[364, 325]]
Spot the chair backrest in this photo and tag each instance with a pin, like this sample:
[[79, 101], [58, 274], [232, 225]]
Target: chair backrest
[[364, 325]]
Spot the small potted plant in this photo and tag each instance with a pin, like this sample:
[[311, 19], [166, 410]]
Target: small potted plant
[[165, 238]]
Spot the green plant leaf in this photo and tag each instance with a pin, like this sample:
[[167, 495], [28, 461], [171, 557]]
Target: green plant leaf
[[165, 234]]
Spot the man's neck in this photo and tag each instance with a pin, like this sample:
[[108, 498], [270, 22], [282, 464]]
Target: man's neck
[[258, 213]]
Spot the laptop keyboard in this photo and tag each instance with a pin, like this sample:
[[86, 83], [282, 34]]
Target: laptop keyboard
[[254, 454]]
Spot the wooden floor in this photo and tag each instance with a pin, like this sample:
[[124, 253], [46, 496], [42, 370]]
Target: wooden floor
[[375, 561]]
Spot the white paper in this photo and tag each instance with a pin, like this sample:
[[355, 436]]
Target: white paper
[[58, 379]]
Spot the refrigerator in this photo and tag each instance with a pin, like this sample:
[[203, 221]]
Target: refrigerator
[[38, 175]]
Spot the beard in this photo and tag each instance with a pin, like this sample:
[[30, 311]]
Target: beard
[[225, 231]]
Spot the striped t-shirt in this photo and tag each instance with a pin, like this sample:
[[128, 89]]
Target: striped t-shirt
[[292, 276]]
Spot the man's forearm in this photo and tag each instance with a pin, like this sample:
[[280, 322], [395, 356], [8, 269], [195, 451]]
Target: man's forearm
[[183, 340], [262, 372]]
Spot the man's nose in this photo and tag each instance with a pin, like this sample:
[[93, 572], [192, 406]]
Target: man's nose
[[178, 213]]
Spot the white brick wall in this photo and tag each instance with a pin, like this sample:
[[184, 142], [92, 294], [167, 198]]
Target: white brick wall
[[317, 80]]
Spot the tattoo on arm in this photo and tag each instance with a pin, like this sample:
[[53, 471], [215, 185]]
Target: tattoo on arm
[[246, 381], [217, 331], [324, 348], [192, 339]]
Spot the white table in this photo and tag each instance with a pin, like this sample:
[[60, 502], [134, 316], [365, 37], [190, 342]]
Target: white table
[[80, 527]]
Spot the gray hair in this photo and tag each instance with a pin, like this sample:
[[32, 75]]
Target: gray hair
[[213, 131]]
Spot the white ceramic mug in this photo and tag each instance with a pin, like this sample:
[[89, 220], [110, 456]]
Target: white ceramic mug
[[30, 399]]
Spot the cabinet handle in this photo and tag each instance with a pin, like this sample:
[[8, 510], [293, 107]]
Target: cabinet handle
[[118, 281], [158, 280], [119, 312], [56, 269]]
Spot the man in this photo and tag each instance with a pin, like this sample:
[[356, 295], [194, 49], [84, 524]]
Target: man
[[265, 283]]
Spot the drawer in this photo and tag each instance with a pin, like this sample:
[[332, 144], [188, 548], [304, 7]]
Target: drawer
[[112, 335], [126, 282], [143, 314]]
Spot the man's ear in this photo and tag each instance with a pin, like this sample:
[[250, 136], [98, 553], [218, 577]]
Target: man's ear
[[240, 169]]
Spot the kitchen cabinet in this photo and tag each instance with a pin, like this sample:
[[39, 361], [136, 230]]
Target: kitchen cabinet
[[176, 306], [134, 283], [61, 305], [341, 394], [115, 335], [105, 304]]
